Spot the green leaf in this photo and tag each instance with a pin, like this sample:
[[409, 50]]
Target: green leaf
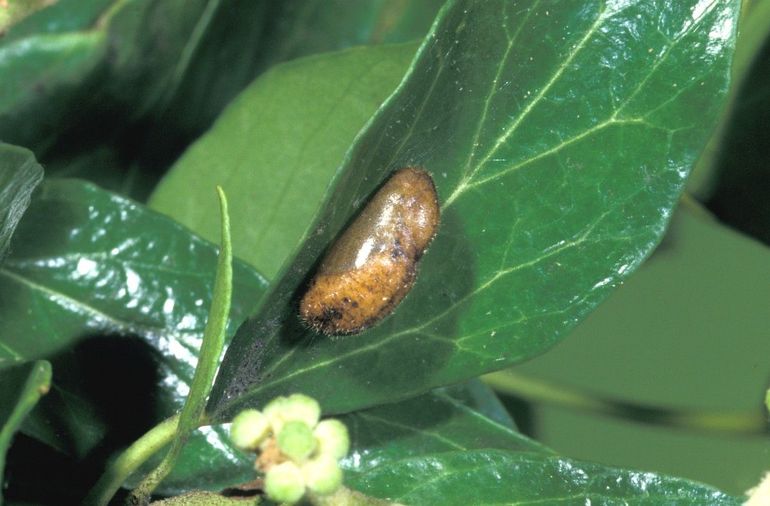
[[282, 31], [61, 16], [559, 138], [482, 477], [13, 13], [125, 85], [116, 296], [435, 450], [429, 424], [698, 304], [38, 73], [275, 191], [102, 73], [248, 37], [23, 385], [481, 398], [19, 175]]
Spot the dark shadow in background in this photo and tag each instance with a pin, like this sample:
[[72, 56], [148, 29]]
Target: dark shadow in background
[[741, 194], [102, 401], [522, 413]]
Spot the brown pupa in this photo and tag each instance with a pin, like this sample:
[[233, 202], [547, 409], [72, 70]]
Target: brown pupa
[[372, 266]]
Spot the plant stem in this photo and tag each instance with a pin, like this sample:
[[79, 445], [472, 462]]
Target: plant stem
[[540, 391], [208, 357], [178, 428], [130, 460]]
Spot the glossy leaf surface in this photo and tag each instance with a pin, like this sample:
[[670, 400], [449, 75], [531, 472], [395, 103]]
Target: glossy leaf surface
[[435, 450], [704, 289], [275, 189], [437, 422], [491, 477], [116, 296], [23, 385], [559, 137], [19, 175]]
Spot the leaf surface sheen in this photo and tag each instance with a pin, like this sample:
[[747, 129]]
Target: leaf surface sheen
[[559, 138], [501, 477], [434, 449], [116, 296], [19, 176]]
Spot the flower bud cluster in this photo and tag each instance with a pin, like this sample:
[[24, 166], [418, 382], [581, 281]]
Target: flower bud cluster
[[297, 452]]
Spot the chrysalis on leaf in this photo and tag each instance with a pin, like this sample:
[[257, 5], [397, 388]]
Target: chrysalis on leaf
[[373, 264]]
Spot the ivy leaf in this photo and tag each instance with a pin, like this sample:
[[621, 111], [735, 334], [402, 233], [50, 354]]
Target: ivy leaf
[[242, 151], [116, 296], [433, 423], [502, 477], [435, 450], [481, 398], [19, 175], [559, 137], [702, 268]]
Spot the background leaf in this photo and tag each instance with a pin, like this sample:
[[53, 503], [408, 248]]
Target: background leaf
[[102, 72], [559, 139], [19, 175], [116, 296], [122, 87], [23, 385], [42, 60], [276, 191], [433, 449], [697, 306]]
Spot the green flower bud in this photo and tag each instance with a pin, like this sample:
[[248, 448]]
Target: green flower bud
[[249, 429], [296, 441], [323, 475], [274, 413], [301, 408], [284, 483], [333, 438], [296, 407]]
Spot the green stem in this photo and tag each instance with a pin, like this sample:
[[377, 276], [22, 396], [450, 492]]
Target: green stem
[[540, 391], [211, 349], [130, 460]]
